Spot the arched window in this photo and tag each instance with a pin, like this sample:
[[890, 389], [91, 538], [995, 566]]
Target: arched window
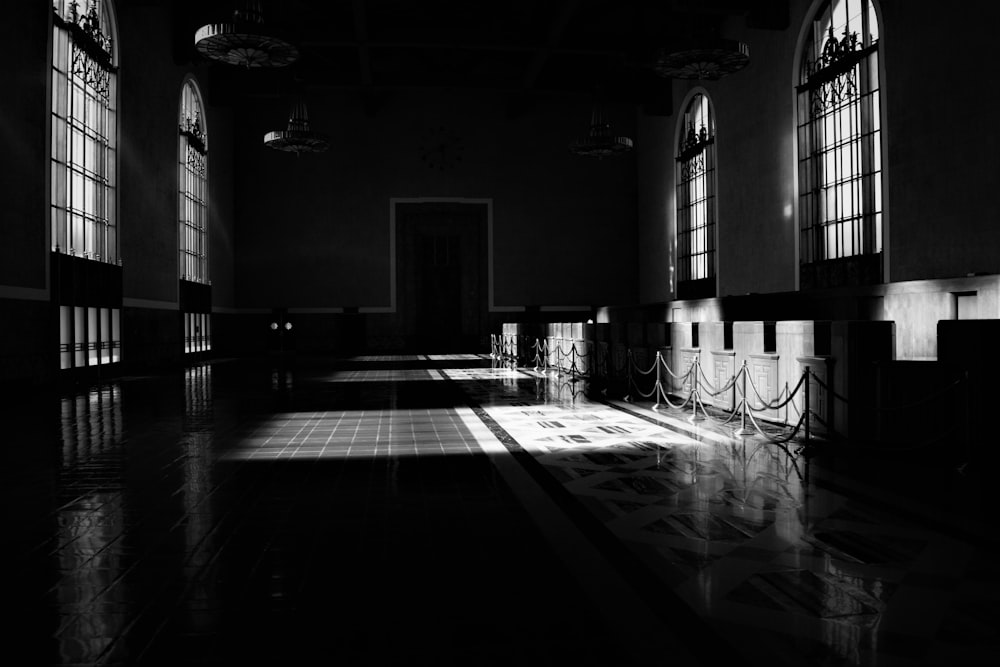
[[84, 163], [696, 200], [192, 186], [192, 217], [84, 131], [839, 146]]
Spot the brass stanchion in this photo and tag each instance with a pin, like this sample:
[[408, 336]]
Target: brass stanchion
[[806, 406], [695, 398], [743, 430], [657, 388]]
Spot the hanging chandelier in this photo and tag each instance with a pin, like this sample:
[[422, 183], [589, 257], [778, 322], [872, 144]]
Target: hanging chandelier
[[711, 60], [243, 42], [600, 141], [298, 137]]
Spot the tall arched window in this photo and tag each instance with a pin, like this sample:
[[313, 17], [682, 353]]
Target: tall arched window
[[84, 164], [696, 201], [192, 217], [84, 130], [839, 144], [192, 180]]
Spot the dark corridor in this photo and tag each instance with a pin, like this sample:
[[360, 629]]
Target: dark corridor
[[442, 276]]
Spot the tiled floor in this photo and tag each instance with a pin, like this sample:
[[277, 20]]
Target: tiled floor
[[439, 510]]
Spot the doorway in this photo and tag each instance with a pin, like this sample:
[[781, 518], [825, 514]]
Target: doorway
[[441, 276]]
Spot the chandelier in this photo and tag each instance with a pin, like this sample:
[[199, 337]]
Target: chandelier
[[600, 141], [710, 61], [298, 137], [243, 42]]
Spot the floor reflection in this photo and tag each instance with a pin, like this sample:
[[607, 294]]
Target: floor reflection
[[734, 525], [201, 599], [329, 503], [93, 598]]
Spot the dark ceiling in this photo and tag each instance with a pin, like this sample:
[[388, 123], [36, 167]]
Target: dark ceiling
[[521, 47]]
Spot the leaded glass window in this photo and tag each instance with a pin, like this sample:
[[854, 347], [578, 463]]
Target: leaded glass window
[[839, 135], [696, 200], [192, 205], [84, 131]]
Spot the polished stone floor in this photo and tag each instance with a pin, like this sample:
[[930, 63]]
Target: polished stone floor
[[443, 510]]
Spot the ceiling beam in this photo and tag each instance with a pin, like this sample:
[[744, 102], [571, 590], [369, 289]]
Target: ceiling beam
[[521, 101], [361, 37], [556, 30], [460, 46], [364, 56]]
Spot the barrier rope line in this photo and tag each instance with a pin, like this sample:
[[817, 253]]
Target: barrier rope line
[[659, 384], [562, 355], [729, 386], [777, 403], [743, 408], [643, 373], [730, 383], [545, 352]]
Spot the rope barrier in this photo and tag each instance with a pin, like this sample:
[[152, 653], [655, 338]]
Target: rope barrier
[[671, 373], [562, 355], [730, 383], [696, 375]]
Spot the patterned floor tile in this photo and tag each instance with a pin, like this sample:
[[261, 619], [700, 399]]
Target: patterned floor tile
[[365, 481]]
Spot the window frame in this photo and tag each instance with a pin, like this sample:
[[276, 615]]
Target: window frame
[[193, 214], [696, 245], [840, 184], [83, 191]]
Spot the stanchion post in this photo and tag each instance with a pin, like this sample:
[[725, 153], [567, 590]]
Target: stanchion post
[[743, 430], [695, 367], [538, 349], [656, 404], [807, 404]]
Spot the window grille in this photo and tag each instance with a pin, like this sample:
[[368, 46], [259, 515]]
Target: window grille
[[839, 135], [696, 194], [192, 187], [84, 132]]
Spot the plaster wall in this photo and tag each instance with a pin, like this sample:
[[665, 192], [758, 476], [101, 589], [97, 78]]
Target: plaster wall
[[314, 230]]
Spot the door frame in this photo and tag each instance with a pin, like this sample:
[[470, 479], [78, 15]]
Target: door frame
[[396, 201]]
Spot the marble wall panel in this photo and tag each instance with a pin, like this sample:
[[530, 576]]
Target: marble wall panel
[[685, 358], [763, 387], [748, 339], [799, 338], [820, 396], [720, 374], [683, 336]]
